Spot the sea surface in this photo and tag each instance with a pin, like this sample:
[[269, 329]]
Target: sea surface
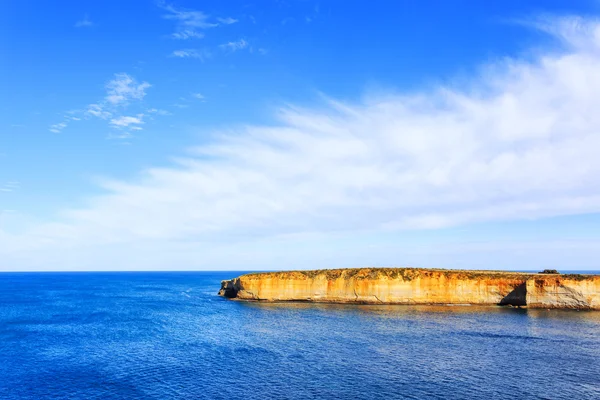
[[169, 336]]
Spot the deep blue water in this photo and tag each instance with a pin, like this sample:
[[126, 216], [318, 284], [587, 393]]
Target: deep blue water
[[168, 335]]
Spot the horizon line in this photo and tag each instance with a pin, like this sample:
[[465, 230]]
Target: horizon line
[[580, 271]]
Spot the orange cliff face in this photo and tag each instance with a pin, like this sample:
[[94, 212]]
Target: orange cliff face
[[419, 286]]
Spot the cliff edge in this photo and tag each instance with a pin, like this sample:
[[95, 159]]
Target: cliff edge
[[419, 286]]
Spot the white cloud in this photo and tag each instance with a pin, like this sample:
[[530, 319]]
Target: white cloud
[[188, 34], [128, 122], [57, 128], [9, 186], [227, 21], [519, 142], [202, 55], [124, 88], [98, 111], [93, 110], [199, 96], [158, 111], [235, 46], [121, 92], [189, 23], [573, 30], [85, 22]]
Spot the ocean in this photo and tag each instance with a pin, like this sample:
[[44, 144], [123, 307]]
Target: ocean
[[169, 336]]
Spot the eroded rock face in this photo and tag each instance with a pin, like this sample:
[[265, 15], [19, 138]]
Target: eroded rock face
[[564, 292], [228, 289], [418, 286]]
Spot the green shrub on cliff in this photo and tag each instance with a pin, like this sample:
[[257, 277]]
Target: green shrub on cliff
[[549, 271]]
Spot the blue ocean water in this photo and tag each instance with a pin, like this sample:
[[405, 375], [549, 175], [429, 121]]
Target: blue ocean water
[[169, 336]]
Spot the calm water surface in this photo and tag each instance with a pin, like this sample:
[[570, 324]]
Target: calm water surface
[[167, 336]]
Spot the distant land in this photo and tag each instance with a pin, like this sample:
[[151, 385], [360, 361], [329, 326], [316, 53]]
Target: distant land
[[420, 286]]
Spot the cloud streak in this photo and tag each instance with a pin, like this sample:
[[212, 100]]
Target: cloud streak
[[227, 21], [190, 24], [128, 122], [57, 128], [235, 45], [10, 186], [201, 55]]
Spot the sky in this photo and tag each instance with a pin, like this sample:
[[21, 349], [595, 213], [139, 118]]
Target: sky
[[267, 135]]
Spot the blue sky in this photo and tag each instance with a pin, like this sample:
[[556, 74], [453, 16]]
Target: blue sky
[[299, 134]]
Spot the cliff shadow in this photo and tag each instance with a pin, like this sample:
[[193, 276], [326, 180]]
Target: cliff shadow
[[518, 296]]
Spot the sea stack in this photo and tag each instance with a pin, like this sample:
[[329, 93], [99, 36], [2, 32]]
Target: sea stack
[[419, 286]]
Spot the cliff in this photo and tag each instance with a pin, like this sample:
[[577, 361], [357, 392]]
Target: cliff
[[419, 286]]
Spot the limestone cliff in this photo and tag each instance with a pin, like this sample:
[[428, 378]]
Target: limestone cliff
[[419, 286]]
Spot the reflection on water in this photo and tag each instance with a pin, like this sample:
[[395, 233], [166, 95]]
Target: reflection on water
[[167, 335]]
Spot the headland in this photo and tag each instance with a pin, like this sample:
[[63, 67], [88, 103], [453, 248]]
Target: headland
[[419, 286]]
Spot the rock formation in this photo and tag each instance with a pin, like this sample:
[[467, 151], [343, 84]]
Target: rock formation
[[419, 286]]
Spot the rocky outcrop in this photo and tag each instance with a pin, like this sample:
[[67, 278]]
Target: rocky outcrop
[[419, 286]]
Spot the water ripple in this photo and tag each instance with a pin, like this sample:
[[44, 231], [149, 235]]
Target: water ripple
[[167, 336]]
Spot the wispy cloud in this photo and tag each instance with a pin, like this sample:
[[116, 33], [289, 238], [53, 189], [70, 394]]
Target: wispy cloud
[[10, 186], [128, 122], [124, 88], [98, 111], [120, 135], [518, 141], [188, 34], [57, 128], [199, 96], [121, 91], [234, 46], [85, 22], [227, 21], [199, 54], [158, 111], [189, 23]]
